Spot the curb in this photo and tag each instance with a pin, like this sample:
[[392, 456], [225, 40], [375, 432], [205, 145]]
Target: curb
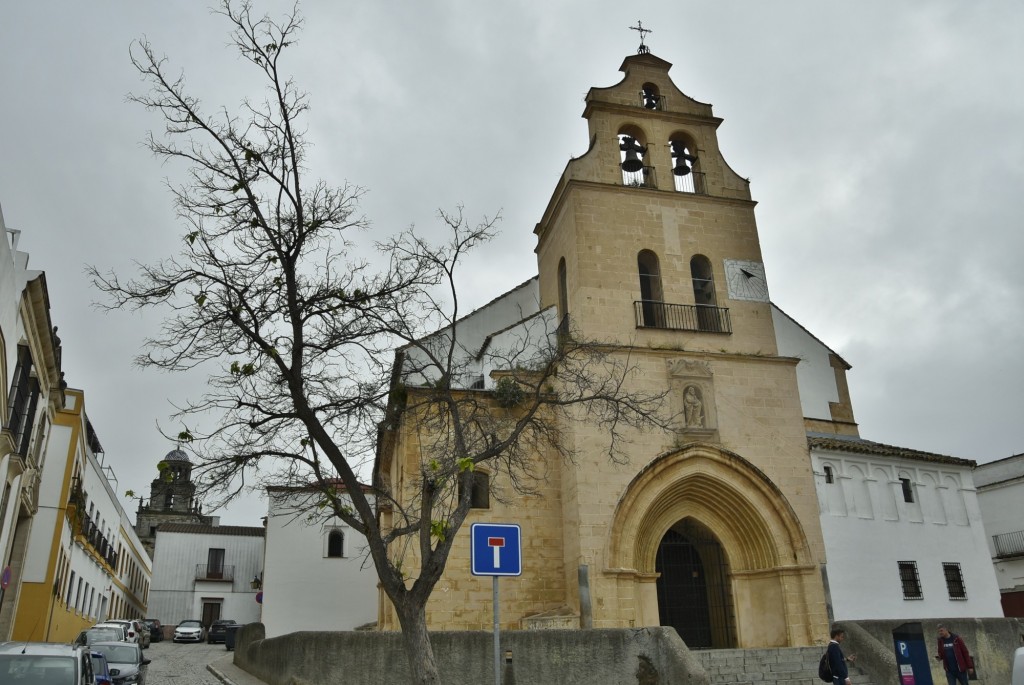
[[218, 675]]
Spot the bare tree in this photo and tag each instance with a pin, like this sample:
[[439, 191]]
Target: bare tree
[[298, 338]]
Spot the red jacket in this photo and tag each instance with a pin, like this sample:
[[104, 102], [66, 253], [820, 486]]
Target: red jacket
[[963, 658]]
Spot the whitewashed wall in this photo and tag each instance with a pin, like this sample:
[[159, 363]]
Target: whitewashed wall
[[815, 376], [303, 588], [176, 594], [868, 528], [473, 329], [1001, 498]]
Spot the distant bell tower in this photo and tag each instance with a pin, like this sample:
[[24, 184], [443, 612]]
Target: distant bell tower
[[172, 499]]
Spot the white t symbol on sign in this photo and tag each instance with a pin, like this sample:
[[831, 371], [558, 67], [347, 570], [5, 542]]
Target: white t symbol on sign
[[496, 544]]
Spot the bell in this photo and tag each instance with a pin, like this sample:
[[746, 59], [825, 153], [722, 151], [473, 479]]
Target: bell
[[633, 150], [651, 99], [683, 158]]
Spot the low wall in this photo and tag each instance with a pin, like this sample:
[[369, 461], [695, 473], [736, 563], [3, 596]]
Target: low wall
[[991, 642], [645, 656]]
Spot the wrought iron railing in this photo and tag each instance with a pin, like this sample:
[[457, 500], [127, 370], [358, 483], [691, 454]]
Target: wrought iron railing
[[214, 572], [644, 178], [682, 317], [95, 538], [1009, 544], [692, 182]]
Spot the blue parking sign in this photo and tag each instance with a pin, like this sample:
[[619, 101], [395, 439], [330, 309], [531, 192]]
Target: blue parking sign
[[496, 549]]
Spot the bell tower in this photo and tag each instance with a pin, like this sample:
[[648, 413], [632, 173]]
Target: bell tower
[[172, 499], [656, 230], [649, 245]]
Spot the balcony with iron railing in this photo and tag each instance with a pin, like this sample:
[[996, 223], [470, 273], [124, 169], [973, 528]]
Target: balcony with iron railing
[[215, 572], [91, 534], [1009, 545], [681, 317]]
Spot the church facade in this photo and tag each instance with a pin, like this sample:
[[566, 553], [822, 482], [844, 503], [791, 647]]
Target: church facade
[[649, 243]]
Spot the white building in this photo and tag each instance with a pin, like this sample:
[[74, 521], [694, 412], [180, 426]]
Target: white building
[[902, 528], [317, 575], [1001, 497], [205, 572], [84, 562]]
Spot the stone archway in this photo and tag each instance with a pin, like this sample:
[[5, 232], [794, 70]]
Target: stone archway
[[694, 587], [773, 583]]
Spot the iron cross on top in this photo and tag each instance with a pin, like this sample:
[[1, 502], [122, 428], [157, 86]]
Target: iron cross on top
[[643, 49]]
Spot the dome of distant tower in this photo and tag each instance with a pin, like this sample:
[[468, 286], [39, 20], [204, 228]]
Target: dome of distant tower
[[177, 455]]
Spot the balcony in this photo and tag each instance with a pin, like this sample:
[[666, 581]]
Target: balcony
[[692, 182], [91, 534], [1009, 544], [682, 317], [644, 178], [221, 572]]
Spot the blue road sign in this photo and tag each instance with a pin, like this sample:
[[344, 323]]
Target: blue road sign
[[496, 549]]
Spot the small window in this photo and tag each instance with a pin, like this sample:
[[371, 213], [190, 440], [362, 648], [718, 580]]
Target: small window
[[563, 290], [480, 497], [954, 580], [335, 544], [908, 490], [910, 580], [829, 476]]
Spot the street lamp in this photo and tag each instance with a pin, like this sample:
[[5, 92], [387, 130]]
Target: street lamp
[[256, 583]]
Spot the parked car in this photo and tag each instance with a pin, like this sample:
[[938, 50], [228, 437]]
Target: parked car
[[44, 662], [1018, 667], [100, 633], [100, 670], [218, 629], [190, 631], [127, 634], [156, 629], [135, 630], [126, 661]]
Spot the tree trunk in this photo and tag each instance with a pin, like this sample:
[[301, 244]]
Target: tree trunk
[[418, 650]]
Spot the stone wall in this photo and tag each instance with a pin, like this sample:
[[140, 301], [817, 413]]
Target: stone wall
[[645, 656]]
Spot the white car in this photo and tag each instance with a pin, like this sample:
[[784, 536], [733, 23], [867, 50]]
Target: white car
[[124, 626], [190, 631], [1018, 667]]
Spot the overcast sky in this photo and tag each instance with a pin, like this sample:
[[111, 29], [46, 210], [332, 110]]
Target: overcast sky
[[884, 142]]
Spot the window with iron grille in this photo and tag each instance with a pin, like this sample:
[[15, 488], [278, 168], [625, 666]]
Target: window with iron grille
[[908, 490], [829, 476], [954, 580], [910, 580]]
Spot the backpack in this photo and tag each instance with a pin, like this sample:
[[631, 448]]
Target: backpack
[[825, 668]]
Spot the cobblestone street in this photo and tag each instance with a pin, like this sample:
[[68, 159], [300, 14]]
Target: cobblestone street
[[182, 664]]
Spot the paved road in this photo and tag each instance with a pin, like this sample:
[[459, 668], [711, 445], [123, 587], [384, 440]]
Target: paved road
[[182, 664]]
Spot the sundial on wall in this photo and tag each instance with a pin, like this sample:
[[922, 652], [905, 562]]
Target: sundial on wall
[[746, 280]]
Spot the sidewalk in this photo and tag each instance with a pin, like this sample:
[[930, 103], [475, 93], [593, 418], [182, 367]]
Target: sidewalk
[[224, 669]]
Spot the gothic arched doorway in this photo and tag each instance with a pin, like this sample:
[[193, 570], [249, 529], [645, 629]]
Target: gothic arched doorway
[[694, 596]]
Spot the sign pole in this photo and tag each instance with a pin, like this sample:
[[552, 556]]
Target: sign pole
[[496, 550], [497, 636]]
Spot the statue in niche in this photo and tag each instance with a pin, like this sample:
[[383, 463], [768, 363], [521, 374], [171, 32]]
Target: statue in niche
[[693, 407]]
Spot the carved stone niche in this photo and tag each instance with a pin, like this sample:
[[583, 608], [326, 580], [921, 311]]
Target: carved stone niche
[[693, 400]]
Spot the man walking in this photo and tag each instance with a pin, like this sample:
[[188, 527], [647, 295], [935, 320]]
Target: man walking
[[954, 657], [836, 659]]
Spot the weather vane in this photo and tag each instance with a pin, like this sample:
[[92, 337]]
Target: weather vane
[[643, 49]]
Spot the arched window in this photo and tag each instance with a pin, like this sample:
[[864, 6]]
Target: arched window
[[708, 318], [686, 174], [480, 495], [335, 544], [652, 308], [632, 159], [651, 98], [563, 291]]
